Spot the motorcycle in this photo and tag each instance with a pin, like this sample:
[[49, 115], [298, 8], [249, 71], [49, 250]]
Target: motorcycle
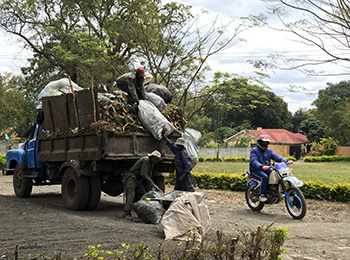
[[282, 185]]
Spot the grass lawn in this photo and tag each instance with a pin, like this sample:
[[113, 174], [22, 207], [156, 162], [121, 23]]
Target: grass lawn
[[327, 172]]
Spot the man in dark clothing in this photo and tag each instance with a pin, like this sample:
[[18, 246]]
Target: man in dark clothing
[[260, 157], [184, 179], [132, 83], [132, 182]]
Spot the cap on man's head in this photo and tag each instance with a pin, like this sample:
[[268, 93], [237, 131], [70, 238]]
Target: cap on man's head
[[155, 153], [141, 71], [180, 141]]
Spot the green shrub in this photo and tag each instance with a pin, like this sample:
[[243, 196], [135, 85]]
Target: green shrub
[[2, 161], [201, 158], [326, 158], [290, 157], [213, 159], [311, 189], [340, 192], [236, 159], [240, 244], [221, 181]]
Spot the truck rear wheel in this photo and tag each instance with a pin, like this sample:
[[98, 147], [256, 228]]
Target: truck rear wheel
[[94, 193], [75, 190], [22, 185]]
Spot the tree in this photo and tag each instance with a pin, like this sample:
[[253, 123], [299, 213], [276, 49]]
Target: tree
[[333, 109], [238, 100], [313, 129], [298, 117], [95, 41], [17, 108], [324, 24]]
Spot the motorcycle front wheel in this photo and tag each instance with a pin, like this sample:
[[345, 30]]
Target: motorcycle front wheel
[[252, 199], [296, 205]]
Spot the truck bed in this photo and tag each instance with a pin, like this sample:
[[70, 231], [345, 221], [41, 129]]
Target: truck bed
[[66, 112], [105, 146]]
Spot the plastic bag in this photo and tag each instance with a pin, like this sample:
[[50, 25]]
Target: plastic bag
[[153, 120], [56, 88], [192, 138], [150, 212], [161, 91], [156, 100]]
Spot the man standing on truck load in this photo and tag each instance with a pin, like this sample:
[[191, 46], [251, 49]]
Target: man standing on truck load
[[132, 182], [184, 179], [132, 83]]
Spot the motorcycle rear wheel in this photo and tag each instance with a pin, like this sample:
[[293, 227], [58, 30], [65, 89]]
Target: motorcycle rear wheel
[[252, 199], [297, 206]]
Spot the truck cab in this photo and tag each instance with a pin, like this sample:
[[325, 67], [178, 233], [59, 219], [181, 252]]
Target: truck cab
[[24, 165]]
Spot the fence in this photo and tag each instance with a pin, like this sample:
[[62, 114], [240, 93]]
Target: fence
[[225, 152]]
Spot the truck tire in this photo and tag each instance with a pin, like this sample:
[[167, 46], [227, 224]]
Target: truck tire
[[94, 193], [75, 190], [22, 185]]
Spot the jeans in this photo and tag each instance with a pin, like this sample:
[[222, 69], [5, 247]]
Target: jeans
[[264, 177]]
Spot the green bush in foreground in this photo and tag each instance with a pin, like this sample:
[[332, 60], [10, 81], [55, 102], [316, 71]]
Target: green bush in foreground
[[264, 243]]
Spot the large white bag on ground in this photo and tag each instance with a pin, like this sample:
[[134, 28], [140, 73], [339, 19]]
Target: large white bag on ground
[[187, 218], [153, 120], [156, 100], [161, 91], [192, 138]]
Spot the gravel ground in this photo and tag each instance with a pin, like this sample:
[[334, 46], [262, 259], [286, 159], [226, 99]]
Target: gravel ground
[[41, 224]]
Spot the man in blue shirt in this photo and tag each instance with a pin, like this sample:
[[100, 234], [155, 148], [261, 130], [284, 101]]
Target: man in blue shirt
[[261, 156], [184, 178]]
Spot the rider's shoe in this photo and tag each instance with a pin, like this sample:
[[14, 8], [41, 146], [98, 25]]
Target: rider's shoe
[[262, 198]]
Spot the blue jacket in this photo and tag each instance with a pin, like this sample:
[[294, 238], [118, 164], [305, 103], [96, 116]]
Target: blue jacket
[[182, 165], [259, 157]]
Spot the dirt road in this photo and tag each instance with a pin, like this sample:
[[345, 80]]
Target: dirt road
[[41, 224]]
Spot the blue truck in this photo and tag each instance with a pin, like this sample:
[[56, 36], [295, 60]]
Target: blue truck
[[63, 150]]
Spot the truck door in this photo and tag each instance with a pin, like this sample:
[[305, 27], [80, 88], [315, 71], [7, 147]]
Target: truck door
[[32, 148]]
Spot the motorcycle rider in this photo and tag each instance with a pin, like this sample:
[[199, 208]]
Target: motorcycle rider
[[260, 159]]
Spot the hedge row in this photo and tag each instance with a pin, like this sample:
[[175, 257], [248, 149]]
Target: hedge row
[[339, 192], [232, 159], [326, 158]]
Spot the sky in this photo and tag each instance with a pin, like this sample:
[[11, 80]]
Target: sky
[[259, 44]]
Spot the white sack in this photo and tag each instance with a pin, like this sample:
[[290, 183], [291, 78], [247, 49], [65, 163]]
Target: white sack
[[156, 100], [56, 88], [194, 134], [153, 120], [192, 138], [187, 216]]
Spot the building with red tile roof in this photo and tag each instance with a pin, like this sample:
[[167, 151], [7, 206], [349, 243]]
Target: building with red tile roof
[[282, 141]]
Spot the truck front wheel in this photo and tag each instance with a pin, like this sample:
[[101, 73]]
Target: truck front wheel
[[22, 185], [75, 190]]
